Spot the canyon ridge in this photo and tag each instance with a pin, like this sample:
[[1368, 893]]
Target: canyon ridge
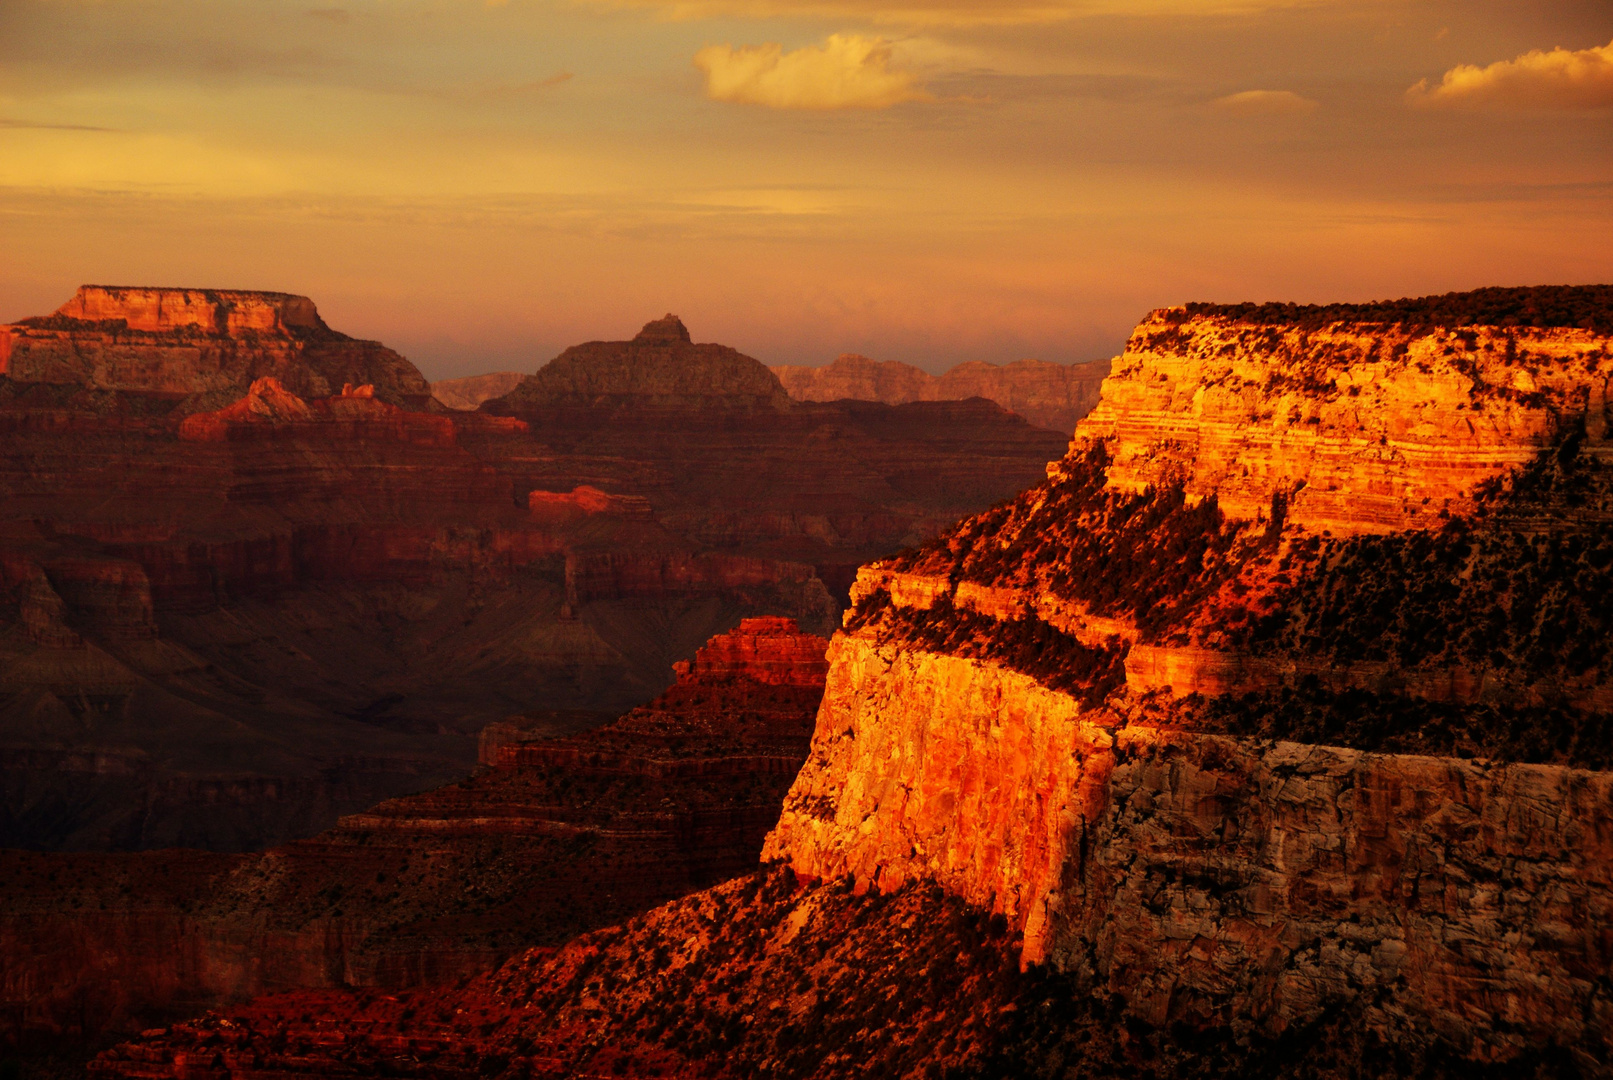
[[253, 578], [1266, 735]]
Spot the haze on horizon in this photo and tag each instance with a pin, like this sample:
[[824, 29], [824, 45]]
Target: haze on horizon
[[481, 184]]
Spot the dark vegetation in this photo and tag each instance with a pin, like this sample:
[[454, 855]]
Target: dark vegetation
[[1524, 589], [1152, 557], [1556, 734], [1025, 644], [1588, 307]]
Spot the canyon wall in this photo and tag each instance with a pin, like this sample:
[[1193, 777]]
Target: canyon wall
[[1052, 396], [1270, 701], [562, 833]]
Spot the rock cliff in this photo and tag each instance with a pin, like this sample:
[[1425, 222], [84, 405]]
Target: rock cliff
[[660, 369], [1155, 710], [200, 347], [1052, 396]]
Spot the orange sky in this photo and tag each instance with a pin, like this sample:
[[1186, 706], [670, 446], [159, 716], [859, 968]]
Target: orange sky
[[480, 184]]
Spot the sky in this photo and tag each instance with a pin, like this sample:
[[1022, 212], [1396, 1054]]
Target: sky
[[481, 184]]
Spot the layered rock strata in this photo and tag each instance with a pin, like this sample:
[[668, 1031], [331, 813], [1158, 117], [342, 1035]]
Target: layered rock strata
[[563, 833], [1052, 396], [1008, 713], [202, 346], [1014, 854], [262, 611], [471, 391]]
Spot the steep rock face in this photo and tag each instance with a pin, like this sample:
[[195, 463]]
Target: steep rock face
[[203, 347], [1188, 872], [1009, 714], [564, 833], [1052, 396], [1357, 427]]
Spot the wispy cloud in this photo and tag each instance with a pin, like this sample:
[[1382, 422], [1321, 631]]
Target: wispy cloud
[[846, 72], [524, 89], [955, 12], [1559, 79], [35, 125], [1265, 103]]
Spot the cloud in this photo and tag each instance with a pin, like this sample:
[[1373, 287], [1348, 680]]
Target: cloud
[[954, 12], [1560, 79], [846, 72], [37, 126], [1265, 103]]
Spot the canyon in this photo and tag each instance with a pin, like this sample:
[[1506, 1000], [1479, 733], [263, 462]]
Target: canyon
[[1266, 735], [252, 579], [1049, 395], [553, 837]]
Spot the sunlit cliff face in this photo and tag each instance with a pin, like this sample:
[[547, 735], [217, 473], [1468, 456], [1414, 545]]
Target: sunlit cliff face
[[485, 183]]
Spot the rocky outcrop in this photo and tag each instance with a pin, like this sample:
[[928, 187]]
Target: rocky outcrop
[[661, 369], [470, 392], [1052, 396], [1357, 427], [1008, 715], [200, 347], [564, 833]]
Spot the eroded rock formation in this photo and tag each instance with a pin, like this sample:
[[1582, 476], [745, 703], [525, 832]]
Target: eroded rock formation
[[561, 834], [202, 347], [1052, 396], [225, 621]]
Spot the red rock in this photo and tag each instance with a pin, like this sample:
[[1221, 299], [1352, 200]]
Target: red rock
[[205, 345]]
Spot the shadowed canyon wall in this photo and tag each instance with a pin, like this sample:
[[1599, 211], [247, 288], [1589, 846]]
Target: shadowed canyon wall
[[1052, 396], [558, 835], [250, 580]]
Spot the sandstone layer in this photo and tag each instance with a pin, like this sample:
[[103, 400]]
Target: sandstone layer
[[562, 833], [1153, 710], [1052, 396]]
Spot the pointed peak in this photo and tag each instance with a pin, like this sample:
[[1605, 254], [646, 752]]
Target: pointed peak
[[665, 329]]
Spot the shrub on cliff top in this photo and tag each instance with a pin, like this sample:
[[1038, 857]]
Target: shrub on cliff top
[[1588, 307]]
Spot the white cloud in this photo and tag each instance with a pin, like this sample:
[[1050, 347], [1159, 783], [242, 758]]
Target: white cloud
[[1560, 79], [846, 72], [1265, 103]]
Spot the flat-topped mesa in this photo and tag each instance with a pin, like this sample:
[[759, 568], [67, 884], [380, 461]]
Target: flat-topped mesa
[[206, 346], [659, 370], [1362, 418], [1049, 395], [768, 649], [214, 311]]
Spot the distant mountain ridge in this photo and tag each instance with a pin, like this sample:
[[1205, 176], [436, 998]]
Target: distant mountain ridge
[[468, 393], [1048, 395]]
